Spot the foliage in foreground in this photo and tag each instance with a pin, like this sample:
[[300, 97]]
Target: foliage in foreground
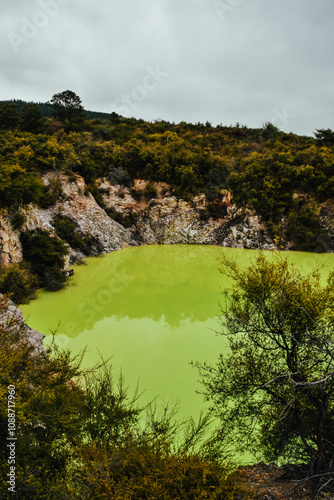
[[274, 391], [88, 439]]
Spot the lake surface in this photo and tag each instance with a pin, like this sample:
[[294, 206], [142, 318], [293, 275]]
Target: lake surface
[[154, 310]]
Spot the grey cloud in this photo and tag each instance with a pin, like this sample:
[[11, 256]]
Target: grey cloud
[[259, 57]]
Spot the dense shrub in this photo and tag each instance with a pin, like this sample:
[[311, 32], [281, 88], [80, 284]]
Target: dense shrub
[[138, 471], [150, 191], [66, 229], [46, 255], [32, 119], [126, 219], [119, 175], [136, 194], [94, 190], [9, 115], [46, 416], [17, 186], [18, 282], [304, 227], [216, 210], [17, 220], [50, 194]]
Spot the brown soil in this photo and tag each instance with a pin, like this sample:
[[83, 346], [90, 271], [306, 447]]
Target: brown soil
[[270, 482]]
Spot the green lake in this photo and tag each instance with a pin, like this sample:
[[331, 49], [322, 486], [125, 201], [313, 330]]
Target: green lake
[[153, 310]]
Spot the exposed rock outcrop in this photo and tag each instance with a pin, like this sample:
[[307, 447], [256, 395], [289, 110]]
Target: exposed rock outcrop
[[161, 220], [10, 246], [166, 220], [91, 220], [12, 323]]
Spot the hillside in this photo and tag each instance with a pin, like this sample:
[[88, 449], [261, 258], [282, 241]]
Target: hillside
[[284, 178], [75, 183]]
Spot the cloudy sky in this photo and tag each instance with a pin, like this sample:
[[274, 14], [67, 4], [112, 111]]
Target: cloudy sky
[[222, 61]]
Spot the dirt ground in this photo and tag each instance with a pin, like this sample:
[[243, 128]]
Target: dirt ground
[[270, 482]]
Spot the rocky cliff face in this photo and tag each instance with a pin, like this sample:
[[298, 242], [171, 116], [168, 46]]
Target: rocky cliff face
[[11, 323], [161, 220], [10, 246], [166, 220], [90, 219]]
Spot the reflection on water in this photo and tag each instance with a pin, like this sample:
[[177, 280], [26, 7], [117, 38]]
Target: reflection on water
[[174, 284], [153, 309], [171, 283]]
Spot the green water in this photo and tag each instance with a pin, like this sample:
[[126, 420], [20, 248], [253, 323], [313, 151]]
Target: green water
[[154, 310]]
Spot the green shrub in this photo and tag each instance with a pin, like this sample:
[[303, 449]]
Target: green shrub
[[141, 472], [94, 191], [115, 215], [150, 191], [66, 229], [54, 279], [46, 255], [46, 417], [127, 220], [216, 210], [213, 210], [120, 176], [18, 220], [72, 177], [17, 186], [136, 194], [304, 226], [18, 282], [32, 119], [50, 194]]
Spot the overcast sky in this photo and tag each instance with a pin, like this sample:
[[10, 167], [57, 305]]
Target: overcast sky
[[222, 61]]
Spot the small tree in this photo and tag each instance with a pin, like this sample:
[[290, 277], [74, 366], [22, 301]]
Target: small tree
[[274, 391], [67, 107], [325, 136], [269, 131]]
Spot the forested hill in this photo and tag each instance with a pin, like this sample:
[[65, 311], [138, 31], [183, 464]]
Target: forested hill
[[47, 110], [286, 179]]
